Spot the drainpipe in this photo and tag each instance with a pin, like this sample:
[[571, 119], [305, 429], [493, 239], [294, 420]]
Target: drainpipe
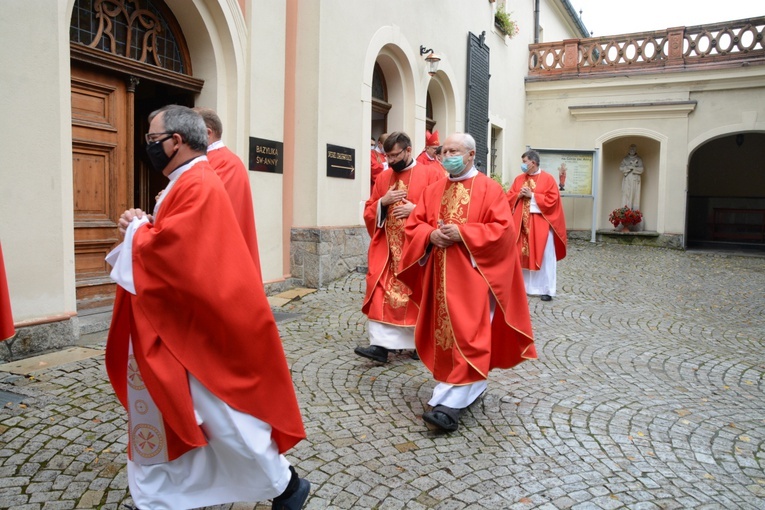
[[536, 21]]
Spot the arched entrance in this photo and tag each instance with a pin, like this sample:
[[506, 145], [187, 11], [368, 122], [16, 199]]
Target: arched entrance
[[127, 59], [726, 193]]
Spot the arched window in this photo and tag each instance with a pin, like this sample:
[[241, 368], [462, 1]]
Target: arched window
[[380, 105], [429, 122], [141, 30]]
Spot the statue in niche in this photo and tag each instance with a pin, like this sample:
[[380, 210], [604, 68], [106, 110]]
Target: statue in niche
[[632, 168]]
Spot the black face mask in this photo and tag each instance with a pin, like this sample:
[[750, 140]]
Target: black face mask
[[157, 157], [399, 166]]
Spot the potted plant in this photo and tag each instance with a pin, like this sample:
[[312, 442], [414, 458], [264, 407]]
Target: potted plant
[[625, 217], [505, 23]]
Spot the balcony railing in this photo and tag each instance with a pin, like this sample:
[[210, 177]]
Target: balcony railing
[[728, 44]]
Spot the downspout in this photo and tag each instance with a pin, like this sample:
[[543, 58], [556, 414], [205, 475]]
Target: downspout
[[536, 21]]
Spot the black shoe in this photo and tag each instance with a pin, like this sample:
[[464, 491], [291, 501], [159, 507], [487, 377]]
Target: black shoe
[[545, 297], [296, 500], [373, 352], [415, 355], [445, 418]]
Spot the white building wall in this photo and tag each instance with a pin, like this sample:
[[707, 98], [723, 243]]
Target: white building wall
[[36, 228]]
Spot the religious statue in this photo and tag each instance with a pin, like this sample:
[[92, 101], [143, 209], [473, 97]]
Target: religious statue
[[562, 177], [632, 168]]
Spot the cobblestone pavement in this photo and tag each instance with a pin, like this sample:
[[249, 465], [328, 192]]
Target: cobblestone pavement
[[649, 393]]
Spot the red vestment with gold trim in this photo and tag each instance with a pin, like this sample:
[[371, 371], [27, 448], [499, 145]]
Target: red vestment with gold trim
[[455, 337], [387, 299], [532, 228]]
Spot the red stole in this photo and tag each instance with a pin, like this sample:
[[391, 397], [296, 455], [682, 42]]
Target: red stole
[[533, 228], [233, 173], [201, 308], [387, 298], [455, 337], [6, 318]]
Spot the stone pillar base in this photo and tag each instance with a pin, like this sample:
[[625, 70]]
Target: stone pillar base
[[320, 255], [39, 338]]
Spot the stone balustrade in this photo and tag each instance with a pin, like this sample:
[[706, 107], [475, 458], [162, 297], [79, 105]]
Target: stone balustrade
[[728, 44]]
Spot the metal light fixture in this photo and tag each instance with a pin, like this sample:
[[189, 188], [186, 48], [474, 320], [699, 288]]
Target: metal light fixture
[[432, 59]]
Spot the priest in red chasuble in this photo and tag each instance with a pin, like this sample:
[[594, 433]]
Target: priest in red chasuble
[[193, 351], [392, 315], [236, 180], [428, 156], [535, 202], [474, 315]]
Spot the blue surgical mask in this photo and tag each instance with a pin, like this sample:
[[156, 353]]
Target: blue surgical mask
[[454, 164], [524, 167]]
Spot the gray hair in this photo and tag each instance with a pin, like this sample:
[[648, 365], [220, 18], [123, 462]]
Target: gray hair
[[467, 141], [531, 155], [187, 123]]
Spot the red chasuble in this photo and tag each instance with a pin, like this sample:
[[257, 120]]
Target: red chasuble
[[387, 299], [532, 229], [455, 337], [423, 159], [200, 308], [6, 318], [235, 179]]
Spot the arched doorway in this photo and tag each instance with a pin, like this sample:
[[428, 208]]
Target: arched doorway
[[127, 59], [726, 193], [380, 104]]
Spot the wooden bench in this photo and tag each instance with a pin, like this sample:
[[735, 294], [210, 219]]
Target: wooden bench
[[738, 224]]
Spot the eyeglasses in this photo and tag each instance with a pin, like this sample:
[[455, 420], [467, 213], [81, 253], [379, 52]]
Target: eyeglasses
[[394, 155], [152, 137]]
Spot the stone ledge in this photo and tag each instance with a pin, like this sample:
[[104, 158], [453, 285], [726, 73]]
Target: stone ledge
[[644, 233]]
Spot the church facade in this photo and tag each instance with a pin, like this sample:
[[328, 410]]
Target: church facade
[[302, 86]]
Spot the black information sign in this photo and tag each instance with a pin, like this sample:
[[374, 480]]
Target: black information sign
[[266, 156], [341, 162]]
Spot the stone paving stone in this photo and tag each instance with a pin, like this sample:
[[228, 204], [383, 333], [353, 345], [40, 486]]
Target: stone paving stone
[[648, 394]]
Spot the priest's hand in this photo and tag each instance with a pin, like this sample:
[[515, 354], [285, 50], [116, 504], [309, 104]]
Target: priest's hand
[[403, 210], [392, 196], [444, 236], [526, 192], [128, 216]]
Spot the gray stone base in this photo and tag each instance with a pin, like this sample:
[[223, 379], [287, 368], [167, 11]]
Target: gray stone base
[[279, 287], [34, 340], [320, 255], [641, 238]]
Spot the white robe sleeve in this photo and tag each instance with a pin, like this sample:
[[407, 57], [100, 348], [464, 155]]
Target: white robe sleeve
[[121, 257]]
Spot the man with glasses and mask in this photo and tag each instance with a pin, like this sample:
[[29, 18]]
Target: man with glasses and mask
[[193, 351], [392, 315], [473, 314]]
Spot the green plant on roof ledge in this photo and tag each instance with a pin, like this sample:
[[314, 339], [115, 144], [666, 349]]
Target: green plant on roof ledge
[[505, 23]]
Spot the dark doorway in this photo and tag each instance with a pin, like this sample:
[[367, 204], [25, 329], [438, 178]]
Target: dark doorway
[[726, 194]]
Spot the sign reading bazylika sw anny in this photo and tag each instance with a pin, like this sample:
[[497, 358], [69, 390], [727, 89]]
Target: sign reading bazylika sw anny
[[266, 156], [341, 162]]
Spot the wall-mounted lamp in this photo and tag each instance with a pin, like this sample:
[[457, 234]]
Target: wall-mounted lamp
[[432, 59]]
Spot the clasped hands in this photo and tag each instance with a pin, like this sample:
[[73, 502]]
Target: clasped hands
[[445, 235], [128, 216], [526, 192], [404, 207]]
